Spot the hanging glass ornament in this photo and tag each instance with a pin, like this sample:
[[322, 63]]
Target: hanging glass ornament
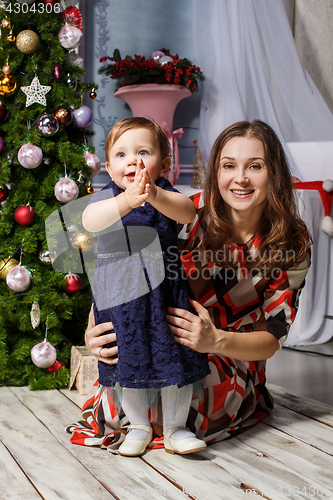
[[83, 117], [70, 37], [57, 71], [25, 215], [89, 188], [71, 82], [73, 17], [18, 278], [93, 94], [43, 355], [46, 257], [35, 315], [4, 193], [74, 58], [64, 115], [93, 162], [30, 156], [57, 365], [8, 84], [47, 125], [5, 24], [66, 190], [11, 37], [74, 283]]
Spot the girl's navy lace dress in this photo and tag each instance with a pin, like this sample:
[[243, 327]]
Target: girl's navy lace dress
[[137, 275]]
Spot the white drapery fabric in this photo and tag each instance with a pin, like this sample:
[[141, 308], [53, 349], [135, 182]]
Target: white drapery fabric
[[247, 53]]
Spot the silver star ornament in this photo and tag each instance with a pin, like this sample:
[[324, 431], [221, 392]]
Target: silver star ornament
[[36, 92]]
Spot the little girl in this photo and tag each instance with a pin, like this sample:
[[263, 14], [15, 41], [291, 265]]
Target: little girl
[[138, 275]]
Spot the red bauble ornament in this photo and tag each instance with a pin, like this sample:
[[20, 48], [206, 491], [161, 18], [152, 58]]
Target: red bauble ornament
[[25, 215], [73, 17], [56, 366], [4, 193], [74, 283], [50, 2]]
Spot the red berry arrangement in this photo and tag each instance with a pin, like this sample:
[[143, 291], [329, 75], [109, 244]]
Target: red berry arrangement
[[161, 67]]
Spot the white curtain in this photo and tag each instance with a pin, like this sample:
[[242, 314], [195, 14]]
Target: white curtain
[[246, 51]]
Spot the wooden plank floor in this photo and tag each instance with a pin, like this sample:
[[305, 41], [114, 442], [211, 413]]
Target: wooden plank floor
[[288, 456]]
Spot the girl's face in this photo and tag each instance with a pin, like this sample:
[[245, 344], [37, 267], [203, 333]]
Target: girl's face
[[243, 175], [132, 146]]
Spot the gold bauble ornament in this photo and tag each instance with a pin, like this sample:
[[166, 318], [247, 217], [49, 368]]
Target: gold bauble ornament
[[6, 265], [93, 94], [82, 241], [27, 41], [5, 23], [10, 37], [8, 84], [89, 188]]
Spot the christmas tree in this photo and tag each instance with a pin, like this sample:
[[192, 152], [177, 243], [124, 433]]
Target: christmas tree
[[46, 163]]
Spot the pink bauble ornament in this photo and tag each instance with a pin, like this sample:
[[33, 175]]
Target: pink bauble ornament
[[18, 279], [156, 56], [74, 283], [43, 355], [66, 190], [25, 215], [30, 156], [82, 117], [93, 162], [57, 71], [70, 37]]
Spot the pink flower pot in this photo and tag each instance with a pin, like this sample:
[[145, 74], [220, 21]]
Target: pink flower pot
[[157, 102]]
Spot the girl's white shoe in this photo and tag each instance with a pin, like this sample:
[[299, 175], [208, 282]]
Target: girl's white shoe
[[136, 447], [182, 446]]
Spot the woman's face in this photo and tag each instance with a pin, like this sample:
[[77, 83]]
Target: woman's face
[[243, 176]]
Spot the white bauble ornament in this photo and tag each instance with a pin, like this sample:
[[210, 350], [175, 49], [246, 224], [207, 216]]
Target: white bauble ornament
[[66, 190], [70, 37], [93, 162], [43, 355], [18, 279]]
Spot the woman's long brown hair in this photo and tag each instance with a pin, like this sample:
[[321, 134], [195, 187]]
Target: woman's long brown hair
[[281, 231]]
